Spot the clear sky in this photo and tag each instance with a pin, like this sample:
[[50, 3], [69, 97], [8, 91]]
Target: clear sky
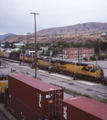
[[15, 15]]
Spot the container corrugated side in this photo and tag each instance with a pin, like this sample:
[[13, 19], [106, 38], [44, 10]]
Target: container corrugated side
[[22, 111], [47, 102]]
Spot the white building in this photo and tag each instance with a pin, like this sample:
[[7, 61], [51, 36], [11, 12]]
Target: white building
[[19, 44], [16, 49], [2, 49]]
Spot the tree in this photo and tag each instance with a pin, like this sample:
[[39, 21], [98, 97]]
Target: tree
[[6, 45]]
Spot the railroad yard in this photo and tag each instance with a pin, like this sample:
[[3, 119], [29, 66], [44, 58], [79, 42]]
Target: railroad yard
[[81, 86], [72, 87]]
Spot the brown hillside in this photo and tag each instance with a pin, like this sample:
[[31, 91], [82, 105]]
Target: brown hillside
[[75, 29], [76, 33]]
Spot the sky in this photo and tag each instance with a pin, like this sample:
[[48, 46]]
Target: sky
[[15, 15]]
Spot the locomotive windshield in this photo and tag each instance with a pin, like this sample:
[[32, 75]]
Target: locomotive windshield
[[96, 68]]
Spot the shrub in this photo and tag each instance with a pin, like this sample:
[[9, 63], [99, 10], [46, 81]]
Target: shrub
[[92, 58], [85, 59], [101, 57]]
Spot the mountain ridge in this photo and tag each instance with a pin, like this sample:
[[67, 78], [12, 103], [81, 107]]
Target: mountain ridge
[[78, 32], [75, 29], [3, 36]]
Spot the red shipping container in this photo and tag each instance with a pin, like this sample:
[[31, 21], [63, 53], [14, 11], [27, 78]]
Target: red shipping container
[[82, 108], [29, 95]]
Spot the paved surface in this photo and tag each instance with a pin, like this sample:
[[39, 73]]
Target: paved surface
[[6, 114], [2, 116]]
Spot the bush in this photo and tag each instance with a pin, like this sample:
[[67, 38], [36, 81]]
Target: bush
[[85, 59], [92, 58], [101, 57]]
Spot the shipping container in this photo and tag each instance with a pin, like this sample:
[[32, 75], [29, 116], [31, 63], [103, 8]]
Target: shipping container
[[82, 108], [31, 97]]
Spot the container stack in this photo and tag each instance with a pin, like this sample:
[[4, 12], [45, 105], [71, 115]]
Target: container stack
[[33, 99]]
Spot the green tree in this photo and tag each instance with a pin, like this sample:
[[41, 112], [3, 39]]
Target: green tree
[[6, 45]]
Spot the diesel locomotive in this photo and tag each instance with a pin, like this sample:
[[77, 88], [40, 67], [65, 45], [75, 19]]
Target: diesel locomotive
[[80, 70]]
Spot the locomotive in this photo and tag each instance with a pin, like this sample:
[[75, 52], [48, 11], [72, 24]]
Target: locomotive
[[80, 70]]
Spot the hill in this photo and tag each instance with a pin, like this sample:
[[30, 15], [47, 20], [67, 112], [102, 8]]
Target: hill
[[79, 32], [3, 36], [75, 29]]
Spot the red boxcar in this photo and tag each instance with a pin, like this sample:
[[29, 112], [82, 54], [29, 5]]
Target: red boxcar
[[33, 99], [82, 108]]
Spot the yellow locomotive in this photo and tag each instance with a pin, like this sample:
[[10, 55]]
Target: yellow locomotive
[[27, 58], [45, 64], [79, 70], [82, 70]]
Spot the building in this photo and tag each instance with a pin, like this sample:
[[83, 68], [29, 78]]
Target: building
[[8, 50], [45, 49], [15, 49], [103, 34], [74, 53], [2, 49], [19, 44], [2, 44]]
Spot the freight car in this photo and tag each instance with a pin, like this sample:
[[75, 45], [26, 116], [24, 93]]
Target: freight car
[[3, 83], [79, 70], [82, 108], [1, 53], [14, 56], [3, 76], [32, 99], [27, 58]]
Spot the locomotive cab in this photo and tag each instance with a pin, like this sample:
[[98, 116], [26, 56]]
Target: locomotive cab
[[89, 67], [99, 72]]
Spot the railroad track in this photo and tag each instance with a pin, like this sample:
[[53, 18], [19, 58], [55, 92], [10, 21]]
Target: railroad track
[[9, 60], [15, 61]]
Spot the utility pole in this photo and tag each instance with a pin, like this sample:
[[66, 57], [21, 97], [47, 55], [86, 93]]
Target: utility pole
[[81, 54], [28, 35], [35, 44], [78, 54]]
